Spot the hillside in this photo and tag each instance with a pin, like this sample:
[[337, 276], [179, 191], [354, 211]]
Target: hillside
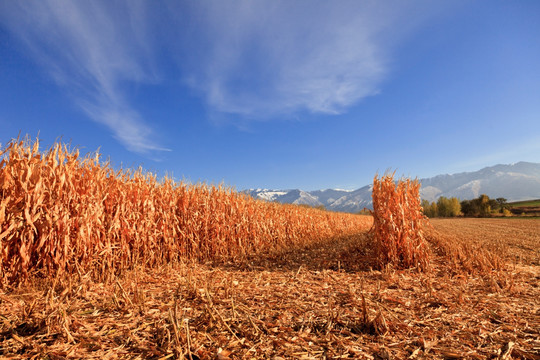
[[515, 182]]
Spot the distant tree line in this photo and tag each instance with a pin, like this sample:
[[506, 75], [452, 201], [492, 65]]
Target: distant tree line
[[444, 207], [482, 206]]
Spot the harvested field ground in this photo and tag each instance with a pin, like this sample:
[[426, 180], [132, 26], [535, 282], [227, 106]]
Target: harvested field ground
[[321, 302], [517, 240]]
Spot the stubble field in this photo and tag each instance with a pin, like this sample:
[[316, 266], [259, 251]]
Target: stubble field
[[321, 301]]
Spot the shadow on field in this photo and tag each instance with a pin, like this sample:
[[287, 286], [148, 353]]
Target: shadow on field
[[352, 253]]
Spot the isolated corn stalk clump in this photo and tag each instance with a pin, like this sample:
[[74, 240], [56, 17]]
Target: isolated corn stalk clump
[[398, 223], [63, 214]]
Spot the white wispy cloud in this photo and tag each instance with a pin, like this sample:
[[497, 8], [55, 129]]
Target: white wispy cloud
[[92, 49], [279, 57], [255, 59]]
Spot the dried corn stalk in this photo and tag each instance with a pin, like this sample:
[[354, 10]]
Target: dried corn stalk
[[397, 223], [61, 214]]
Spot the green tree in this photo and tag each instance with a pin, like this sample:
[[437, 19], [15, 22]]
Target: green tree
[[429, 209], [501, 202], [443, 207], [484, 205], [455, 207], [425, 208], [481, 206], [466, 207], [435, 209], [448, 207], [470, 208]]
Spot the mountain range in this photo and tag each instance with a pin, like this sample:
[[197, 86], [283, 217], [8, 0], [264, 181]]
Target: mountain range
[[515, 182]]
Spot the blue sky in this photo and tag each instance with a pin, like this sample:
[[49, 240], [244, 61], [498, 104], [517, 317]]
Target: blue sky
[[277, 94]]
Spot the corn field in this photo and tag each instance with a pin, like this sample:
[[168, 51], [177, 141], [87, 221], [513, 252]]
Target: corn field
[[63, 214], [398, 223]]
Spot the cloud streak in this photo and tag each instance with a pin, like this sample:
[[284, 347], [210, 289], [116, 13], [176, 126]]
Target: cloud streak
[[252, 59], [281, 57], [93, 50]]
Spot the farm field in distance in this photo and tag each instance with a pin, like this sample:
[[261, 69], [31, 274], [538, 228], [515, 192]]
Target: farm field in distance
[[526, 203], [530, 207], [320, 301]]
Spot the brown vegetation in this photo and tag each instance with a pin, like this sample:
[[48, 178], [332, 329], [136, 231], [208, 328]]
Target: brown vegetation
[[511, 240], [61, 214], [322, 301], [398, 223], [115, 264]]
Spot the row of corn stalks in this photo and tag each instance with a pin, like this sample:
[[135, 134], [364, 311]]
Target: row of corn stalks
[[398, 223], [61, 213], [403, 236]]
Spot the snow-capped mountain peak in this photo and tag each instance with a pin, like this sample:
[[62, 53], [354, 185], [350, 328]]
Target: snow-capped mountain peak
[[518, 181]]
